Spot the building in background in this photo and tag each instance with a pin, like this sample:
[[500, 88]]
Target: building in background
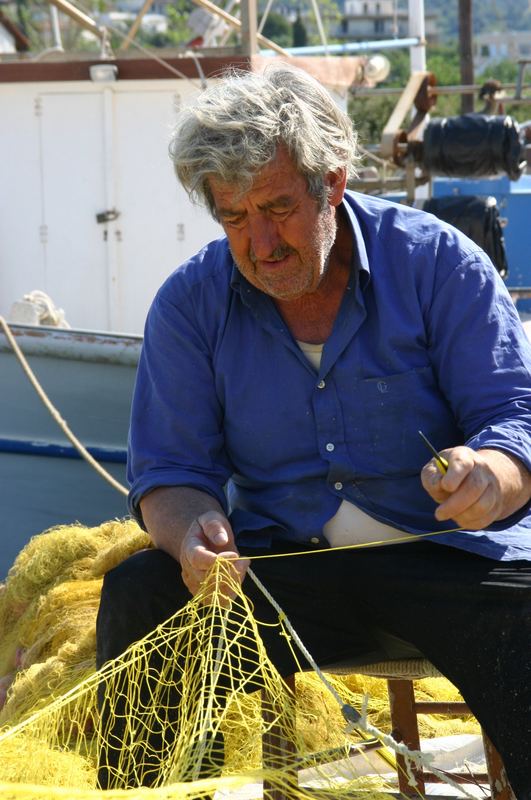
[[367, 20], [495, 46]]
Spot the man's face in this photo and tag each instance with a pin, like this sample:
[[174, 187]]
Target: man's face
[[279, 237]]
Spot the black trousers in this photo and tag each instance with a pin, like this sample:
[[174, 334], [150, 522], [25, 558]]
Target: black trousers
[[470, 616]]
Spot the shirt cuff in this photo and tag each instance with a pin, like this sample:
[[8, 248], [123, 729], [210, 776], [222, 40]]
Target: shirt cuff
[[514, 439], [179, 478]]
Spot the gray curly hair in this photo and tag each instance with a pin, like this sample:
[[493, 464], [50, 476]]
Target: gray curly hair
[[236, 126]]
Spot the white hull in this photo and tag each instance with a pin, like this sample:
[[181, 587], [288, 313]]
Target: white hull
[[89, 378]]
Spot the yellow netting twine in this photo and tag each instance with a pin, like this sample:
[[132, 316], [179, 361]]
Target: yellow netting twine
[[199, 690]]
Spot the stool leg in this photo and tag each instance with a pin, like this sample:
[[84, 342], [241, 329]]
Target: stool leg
[[499, 785], [278, 749], [405, 729]]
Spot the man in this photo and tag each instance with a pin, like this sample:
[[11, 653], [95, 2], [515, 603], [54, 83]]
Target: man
[[286, 371]]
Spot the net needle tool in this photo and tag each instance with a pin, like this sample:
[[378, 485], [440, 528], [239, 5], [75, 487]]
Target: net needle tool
[[442, 463]]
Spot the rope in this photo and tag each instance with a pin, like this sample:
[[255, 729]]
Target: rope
[[353, 715], [55, 413], [355, 720], [356, 546]]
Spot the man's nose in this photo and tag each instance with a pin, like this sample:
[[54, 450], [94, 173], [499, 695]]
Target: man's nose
[[264, 237]]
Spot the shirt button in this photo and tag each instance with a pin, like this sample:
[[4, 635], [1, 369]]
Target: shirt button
[[314, 540], [321, 385], [338, 485], [330, 447]]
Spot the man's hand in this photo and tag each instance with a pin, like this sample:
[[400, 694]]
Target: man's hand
[[479, 488], [190, 526], [209, 537]]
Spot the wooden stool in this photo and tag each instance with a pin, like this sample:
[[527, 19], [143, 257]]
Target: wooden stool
[[400, 675]]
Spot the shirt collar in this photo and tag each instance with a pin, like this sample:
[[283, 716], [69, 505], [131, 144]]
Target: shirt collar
[[360, 259]]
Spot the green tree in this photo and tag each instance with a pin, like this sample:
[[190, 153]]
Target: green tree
[[443, 61], [278, 29], [503, 71], [177, 33], [28, 16], [506, 72], [369, 115], [299, 34], [330, 18]]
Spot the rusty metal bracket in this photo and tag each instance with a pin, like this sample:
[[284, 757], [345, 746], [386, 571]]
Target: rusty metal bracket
[[396, 141]]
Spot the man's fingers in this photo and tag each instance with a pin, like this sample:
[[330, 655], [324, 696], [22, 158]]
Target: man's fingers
[[431, 481], [199, 558], [440, 486], [238, 565], [195, 553], [209, 537], [233, 571], [461, 461], [467, 494], [470, 509], [215, 528]]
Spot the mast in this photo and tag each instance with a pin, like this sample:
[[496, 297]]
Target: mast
[[465, 53], [417, 53], [249, 19]]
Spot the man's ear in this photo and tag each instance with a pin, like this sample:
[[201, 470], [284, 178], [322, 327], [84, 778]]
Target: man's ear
[[336, 183]]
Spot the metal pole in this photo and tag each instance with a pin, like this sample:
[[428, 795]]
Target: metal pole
[[465, 53], [56, 29], [417, 53], [249, 27], [341, 49]]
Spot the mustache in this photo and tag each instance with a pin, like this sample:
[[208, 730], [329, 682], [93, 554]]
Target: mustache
[[278, 253]]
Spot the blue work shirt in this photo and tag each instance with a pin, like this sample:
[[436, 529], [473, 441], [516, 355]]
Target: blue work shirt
[[426, 338]]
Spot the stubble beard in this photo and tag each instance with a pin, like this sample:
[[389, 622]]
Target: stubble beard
[[314, 261]]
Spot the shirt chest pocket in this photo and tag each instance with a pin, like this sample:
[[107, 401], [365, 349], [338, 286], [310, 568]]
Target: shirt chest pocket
[[382, 422]]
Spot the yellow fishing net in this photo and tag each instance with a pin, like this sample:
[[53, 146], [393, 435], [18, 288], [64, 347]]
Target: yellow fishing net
[[195, 709]]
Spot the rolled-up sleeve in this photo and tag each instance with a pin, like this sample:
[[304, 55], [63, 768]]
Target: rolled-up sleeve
[[482, 357], [176, 436]]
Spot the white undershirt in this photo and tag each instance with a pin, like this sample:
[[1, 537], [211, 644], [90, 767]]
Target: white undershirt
[[350, 525]]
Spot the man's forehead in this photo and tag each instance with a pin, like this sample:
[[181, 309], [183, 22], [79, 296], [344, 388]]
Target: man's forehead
[[276, 181], [224, 191]]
